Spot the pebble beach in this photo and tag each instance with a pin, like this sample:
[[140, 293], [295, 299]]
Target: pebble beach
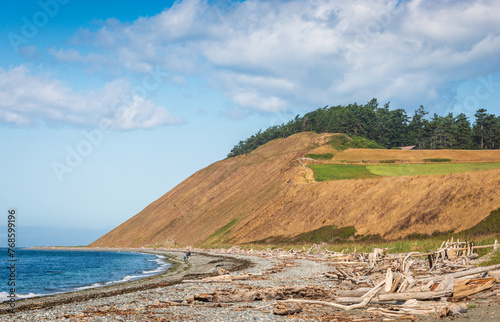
[[164, 297]]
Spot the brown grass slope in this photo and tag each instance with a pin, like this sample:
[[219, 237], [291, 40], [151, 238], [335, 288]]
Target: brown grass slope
[[267, 193]]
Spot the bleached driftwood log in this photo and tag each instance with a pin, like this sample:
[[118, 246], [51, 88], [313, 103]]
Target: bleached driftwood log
[[413, 295], [473, 286], [461, 274], [354, 293], [286, 308], [388, 281], [368, 297]]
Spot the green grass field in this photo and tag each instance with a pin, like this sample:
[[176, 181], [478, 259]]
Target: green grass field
[[326, 172], [397, 170]]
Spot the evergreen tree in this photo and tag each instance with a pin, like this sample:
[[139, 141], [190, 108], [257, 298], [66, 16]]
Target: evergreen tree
[[479, 131], [463, 132], [389, 128], [418, 128], [491, 128]]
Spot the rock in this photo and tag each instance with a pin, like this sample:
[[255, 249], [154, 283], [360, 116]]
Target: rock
[[453, 310], [204, 297], [473, 256], [223, 271], [287, 308], [345, 285], [457, 308]]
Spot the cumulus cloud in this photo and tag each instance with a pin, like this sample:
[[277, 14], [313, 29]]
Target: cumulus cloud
[[141, 113], [28, 98], [273, 55]]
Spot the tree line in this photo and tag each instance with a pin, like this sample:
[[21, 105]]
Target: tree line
[[389, 128]]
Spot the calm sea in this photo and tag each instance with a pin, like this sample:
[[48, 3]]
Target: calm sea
[[43, 272]]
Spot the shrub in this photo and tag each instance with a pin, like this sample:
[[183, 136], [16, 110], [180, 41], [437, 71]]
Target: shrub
[[343, 142], [324, 156], [437, 160]]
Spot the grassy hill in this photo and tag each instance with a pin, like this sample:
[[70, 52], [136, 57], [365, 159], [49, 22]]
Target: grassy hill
[[271, 193]]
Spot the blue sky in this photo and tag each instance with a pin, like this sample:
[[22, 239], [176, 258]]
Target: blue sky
[[105, 106]]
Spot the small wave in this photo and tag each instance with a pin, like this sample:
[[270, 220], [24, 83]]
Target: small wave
[[129, 278], [159, 260], [162, 265], [4, 296], [86, 287]]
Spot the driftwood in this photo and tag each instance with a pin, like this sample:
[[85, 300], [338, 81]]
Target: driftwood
[[354, 300], [396, 284], [354, 293], [463, 273], [287, 308], [446, 284], [414, 307], [388, 281], [401, 312], [469, 287], [226, 278], [403, 284], [413, 296], [494, 273], [250, 294], [369, 296]]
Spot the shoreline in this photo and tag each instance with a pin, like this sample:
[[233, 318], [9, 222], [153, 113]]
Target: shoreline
[[201, 264], [182, 294]]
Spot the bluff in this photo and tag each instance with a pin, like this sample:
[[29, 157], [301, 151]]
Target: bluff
[[270, 192]]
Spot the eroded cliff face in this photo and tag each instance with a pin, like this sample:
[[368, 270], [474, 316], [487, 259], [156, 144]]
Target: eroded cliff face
[[268, 193]]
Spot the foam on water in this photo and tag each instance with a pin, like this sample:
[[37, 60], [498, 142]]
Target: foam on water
[[73, 281], [4, 296]]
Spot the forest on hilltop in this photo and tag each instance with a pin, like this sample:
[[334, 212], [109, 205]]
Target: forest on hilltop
[[389, 128]]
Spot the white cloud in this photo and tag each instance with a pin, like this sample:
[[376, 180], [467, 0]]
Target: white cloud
[[141, 113], [27, 98], [270, 56], [254, 100]]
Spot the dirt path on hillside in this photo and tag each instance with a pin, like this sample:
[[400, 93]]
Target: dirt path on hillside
[[309, 175]]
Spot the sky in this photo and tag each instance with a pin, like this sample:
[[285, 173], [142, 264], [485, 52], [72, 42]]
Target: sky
[[107, 105]]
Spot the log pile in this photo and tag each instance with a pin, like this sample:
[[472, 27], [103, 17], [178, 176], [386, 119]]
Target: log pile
[[391, 285]]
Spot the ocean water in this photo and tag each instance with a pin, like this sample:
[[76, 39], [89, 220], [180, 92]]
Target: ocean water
[[44, 272]]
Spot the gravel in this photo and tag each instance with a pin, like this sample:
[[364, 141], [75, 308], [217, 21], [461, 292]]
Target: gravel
[[146, 305], [149, 304]]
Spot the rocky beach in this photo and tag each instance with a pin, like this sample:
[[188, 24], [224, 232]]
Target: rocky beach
[[184, 293]]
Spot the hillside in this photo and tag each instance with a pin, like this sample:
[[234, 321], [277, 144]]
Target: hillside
[[269, 193]]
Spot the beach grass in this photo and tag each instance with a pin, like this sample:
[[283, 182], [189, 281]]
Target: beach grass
[[219, 237], [393, 247], [343, 239]]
